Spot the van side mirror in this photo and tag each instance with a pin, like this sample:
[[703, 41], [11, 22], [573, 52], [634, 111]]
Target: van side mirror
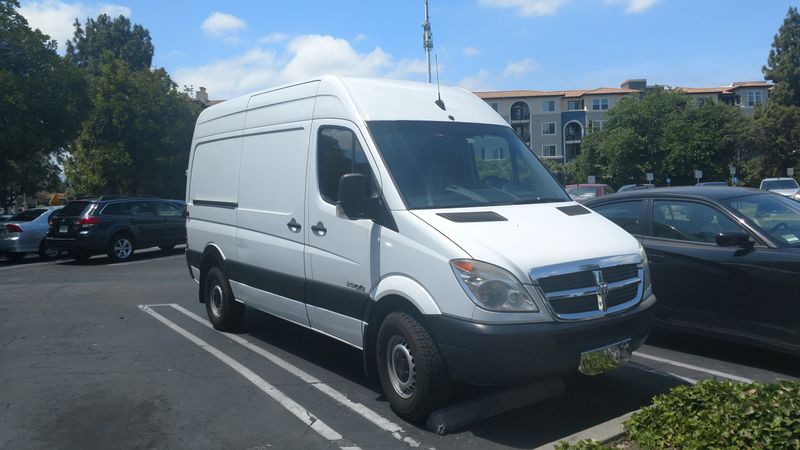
[[733, 239], [352, 196]]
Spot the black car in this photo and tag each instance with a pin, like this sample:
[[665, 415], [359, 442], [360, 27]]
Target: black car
[[724, 262], [117, 226]]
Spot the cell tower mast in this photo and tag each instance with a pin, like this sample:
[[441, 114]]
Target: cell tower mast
[[427, 39]]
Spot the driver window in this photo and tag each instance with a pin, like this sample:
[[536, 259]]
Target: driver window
[[688, 221], [338, 153]]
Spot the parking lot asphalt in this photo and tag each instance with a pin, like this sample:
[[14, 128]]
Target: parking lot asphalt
[[102, 355]]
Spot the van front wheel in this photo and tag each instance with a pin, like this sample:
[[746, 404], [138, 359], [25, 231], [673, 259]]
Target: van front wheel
[[412, 373], [224, 313]]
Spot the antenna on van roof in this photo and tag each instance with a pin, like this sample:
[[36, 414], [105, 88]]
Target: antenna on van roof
[[438, 102]]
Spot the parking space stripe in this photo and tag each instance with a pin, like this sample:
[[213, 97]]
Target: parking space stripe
[[693, 367], [36, 264], [381, 422], [133, 263], [290, 405]]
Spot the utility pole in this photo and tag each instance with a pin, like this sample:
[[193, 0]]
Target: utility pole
[[427, 39]]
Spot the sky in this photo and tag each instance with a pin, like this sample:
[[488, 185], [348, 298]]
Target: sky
[[233, 48]]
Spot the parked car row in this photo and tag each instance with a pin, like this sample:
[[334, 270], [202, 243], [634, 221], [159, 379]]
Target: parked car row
[[725, 262], [114, 225]]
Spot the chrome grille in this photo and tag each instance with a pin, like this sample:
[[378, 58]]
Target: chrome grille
[[591, 288]]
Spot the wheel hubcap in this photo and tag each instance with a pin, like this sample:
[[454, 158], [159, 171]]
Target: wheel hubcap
[[215, 299], [123, 248], [52, 252], [400, 362]]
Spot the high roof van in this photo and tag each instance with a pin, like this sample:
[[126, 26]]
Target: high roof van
[[413, 224]]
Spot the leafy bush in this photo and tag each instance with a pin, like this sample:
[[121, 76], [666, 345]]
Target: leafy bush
[[721, 415], [585, 444]]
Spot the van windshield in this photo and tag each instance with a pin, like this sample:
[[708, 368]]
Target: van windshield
[[454, 165]]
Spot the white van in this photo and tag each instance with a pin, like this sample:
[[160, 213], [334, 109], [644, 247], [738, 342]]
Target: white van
[[417, 228]]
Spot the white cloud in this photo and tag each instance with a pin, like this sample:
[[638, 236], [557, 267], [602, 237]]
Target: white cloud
[[56, 18], [302, 57], [360, 37], [633, 6], [223, 26], [471, 51], [477, 82], [518, 69], [528, 7], [273, 38]]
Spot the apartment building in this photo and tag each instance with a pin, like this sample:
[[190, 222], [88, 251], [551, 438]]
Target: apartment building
[[554, 123]]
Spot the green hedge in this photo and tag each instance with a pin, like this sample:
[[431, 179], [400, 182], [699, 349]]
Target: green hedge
[[716, 415]]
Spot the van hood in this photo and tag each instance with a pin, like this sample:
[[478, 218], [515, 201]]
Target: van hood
[[532, 236]]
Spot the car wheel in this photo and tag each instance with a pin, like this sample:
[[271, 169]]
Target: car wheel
[[224, 313], [46, 253], [121, 248], [16, 257], [412, 373], [166, 248]]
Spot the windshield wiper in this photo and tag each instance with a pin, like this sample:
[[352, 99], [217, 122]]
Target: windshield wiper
[[540, 200]]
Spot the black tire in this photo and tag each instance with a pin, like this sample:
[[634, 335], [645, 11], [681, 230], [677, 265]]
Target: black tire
[[427, 385], [121, 247], [79, 255], [166, 248], [46, 254], [15, 257], [224, 313]]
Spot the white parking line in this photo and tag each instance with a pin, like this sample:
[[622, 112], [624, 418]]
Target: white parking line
[[381, 422], [293, 407], [692, 367], [36, 264], [133, 263]]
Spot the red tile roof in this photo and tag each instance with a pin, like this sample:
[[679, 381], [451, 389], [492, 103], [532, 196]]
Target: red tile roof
[[566, 94]]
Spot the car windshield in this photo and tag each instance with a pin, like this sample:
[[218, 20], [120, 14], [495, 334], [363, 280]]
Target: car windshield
[[777, 217], [582, 192], [27, 216], [779, 184], [451, 165]]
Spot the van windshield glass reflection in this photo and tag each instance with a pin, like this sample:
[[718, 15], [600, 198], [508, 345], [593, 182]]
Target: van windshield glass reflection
[[451, 165]]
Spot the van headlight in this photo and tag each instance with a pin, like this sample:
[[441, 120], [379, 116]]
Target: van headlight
[[491, 287], [647, 282]]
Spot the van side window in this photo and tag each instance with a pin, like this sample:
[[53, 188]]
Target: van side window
[[338, 153]]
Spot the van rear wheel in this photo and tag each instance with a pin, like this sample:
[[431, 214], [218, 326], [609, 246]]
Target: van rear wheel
[[411, 370], [224, 313]]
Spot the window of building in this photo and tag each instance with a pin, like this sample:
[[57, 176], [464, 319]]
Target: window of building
[[703, 100], [338, 153], [494, 106], [520, 111], [599, 104], [548, 106], [548, 150], [595, 125], [754, 98], [549, 128], [574, 105]]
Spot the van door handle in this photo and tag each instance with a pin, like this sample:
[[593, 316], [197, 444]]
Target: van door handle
[[294, 226], [319, 229]]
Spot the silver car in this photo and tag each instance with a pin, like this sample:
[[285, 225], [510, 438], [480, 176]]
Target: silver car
[[26, 232]]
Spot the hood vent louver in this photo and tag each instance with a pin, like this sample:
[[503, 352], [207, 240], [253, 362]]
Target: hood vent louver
[[574, 210], [479, 216]]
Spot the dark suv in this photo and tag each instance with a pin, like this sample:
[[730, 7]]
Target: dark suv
[[117, 226]]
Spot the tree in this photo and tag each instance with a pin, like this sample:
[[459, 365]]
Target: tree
[[105, 39], [776, 146], [137, 137], [666, 134], [783, 64], [42, 102]]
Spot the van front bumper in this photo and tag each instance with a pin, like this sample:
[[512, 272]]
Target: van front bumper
[[505, 354]]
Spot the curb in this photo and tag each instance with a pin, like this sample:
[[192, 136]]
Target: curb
[[604, 432]]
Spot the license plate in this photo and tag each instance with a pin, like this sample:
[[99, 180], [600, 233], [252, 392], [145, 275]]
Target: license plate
[[604, 359], [63, 229]]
